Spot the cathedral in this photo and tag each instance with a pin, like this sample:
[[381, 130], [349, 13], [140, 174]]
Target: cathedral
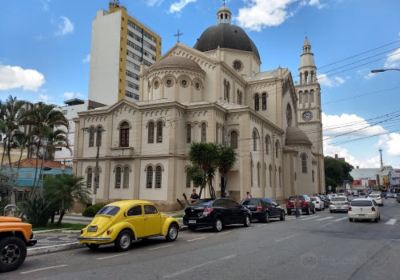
[[213, 92]]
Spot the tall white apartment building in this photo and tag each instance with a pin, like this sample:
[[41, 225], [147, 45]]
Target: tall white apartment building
[[120, 44]]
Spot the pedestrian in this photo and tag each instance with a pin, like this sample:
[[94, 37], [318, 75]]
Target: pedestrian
[[248, 195], [194, 196], [297, 204]]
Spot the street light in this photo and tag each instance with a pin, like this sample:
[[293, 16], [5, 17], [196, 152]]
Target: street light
[[96, 130], [384, 70]]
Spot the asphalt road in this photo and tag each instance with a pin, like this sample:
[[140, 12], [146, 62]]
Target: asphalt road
[[321, 246]]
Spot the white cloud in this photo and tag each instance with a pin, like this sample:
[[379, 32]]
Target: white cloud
[[393, 59], [179, 5], [44, 98], [152, 3], [332, 150], [12, 77], [335, 81], [86, 59], [65, 26], [391, 143], [71, 95], [369, 75]]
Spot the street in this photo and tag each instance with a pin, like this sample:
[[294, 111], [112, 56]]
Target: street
[[321, 246]]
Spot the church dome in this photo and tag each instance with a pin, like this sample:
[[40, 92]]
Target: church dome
[[296, 136], [176, 62]]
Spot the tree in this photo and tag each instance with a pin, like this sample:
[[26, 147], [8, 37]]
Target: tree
[[226, 160], [63, 190], [336, 172], [198, 176]]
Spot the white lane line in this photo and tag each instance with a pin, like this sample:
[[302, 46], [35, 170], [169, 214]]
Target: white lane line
[[112, 256], [391, 222], [340, 219], [309, 218], [43, 268], [195, 239], [159, 247], [183, 271], [325, 218], [286, 238]]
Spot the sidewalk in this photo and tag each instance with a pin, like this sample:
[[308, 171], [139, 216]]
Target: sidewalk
[[53, 241]]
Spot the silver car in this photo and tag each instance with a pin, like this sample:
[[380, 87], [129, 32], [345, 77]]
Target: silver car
[[339, 204]]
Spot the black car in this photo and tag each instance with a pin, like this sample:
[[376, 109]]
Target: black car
[[216, 213], [264, 209]]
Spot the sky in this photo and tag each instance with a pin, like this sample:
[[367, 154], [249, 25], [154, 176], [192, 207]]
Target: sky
[[45, 56]]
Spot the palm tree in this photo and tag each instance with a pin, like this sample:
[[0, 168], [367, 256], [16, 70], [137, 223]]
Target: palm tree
[[56, 139], [226, 160], [63, 190]]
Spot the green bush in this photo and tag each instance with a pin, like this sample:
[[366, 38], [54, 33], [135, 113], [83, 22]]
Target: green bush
[[92, 210], [37, 210]]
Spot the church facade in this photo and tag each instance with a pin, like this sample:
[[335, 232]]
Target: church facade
[[213, 92]]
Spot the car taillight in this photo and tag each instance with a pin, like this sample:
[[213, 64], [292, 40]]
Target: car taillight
[[207, 211], [373, 209], [259, 209]]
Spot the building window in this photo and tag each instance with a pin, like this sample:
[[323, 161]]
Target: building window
[[91, 136], [227, 87], [239, 97], [312, 96], [188, 133], [289, 116], [118, 177], [234, 140], [150, 132], [267, 144], [158, 177], [126, 177], [149, 177], [251, 172], [264, 101], [256, 102], [203, 132], [124, 135], [258, 174], [89, 177], [300, 97], [99, 131], [255, 139], [306, 96], [303, 157], [277, 147], [159, 131]]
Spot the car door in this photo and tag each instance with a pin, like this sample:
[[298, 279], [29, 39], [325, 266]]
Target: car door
[[221, 207], [152, 220], [236, 211], [134, 216]]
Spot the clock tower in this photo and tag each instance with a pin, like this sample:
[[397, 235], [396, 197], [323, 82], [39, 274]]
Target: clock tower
[[309, 108]]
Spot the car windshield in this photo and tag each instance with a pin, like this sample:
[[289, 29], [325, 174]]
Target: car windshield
[[203, 202], [361, 203], [250, 202], [108, 210], [339, 199]]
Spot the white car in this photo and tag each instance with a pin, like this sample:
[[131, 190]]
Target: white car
[[318, 203], [377, 197], [364, 209], [339, 203]]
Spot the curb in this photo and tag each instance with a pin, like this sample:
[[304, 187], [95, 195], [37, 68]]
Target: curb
[[51, 249]]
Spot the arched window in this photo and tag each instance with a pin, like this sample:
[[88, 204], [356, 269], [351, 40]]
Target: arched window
[[99, 131], [270, 175], [306, 77], [306, 96], [289, 115], [203, 132], [255, 139], [280, 177], [264, 101], [267, 144], [150, 132], [159, 131], [149, 177], [89, 177], [303, 157], [124, 134], [118, 177], [239, 97], [258, 174], [158, 177], [126, 177], [277, 147], [311, 76], [227, 88], [188, 133], [312, 96], [256, 102], [300, 97], [251, 171], [234, 139], [92, 131]]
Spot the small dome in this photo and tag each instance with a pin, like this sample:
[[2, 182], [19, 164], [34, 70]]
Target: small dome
[[176, 62], [296, 136]]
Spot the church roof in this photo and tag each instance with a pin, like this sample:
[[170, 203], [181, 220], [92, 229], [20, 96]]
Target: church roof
[[176, 62], [296, 136], [225, 35]]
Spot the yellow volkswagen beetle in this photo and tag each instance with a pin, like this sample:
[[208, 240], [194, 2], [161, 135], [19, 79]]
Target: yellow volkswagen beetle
[[123, 221]]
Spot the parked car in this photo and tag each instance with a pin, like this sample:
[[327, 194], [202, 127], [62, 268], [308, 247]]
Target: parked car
[[364, 209], [318, 203], [377, 197], [325, 199], [216, 213], [304, 203], [339, 204], [123, 221], [15, 236], [264, 209]]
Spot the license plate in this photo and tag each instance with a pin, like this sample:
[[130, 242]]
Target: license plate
[[361, 215], [192, 222], [92, 229]]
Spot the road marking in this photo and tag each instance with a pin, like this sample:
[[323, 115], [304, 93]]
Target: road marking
[[391, 222], [112, 256], [341, 219], [324, 219], [195, 239], [183, 271], [44, 268], [225, 232], [309, 218], [286, 238], [159, 247]]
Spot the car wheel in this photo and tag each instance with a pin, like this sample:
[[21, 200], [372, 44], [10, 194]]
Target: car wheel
[[350, 220], [12, 253], [247, 221], [172, 233], [330, 211], [218, 225], [376, 220], [289, 212], [282, 217], [266, 217], [123, 241], [93, 247]]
